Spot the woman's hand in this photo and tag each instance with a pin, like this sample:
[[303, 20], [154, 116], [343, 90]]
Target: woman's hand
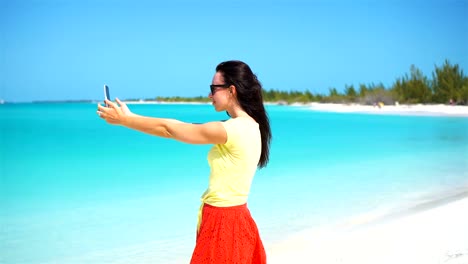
[[113, 113]]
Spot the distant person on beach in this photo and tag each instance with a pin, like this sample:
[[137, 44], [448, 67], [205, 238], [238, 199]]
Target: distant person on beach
[[226, 232]]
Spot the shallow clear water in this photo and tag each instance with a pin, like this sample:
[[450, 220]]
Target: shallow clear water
[[75, 189]]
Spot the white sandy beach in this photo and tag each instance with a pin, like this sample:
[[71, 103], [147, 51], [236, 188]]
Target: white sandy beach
[[430, 236], [419, 109]]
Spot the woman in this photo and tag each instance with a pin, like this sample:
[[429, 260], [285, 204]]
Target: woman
[[226, 232]]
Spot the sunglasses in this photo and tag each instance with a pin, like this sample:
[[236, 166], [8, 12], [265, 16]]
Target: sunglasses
[[214, 87]]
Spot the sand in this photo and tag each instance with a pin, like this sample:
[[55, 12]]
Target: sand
[[419, 109], [432, 233]]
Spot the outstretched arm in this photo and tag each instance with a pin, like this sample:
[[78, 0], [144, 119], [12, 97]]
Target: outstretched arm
[[208, 133]]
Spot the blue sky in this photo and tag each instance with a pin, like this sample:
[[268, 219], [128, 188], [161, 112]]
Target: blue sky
[[62, 50]]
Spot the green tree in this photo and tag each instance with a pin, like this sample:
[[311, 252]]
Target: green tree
[[362, 90], [309, 96], [351, 93], [420, 86], [449, 83], [414, 88], [334, 96]]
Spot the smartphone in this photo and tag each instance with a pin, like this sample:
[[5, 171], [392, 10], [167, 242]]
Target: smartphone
[[106, 93]]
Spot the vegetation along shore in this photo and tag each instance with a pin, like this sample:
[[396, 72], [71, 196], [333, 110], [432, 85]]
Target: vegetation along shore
[[448, 85]]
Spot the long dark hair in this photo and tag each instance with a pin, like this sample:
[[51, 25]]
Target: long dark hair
[[249, 96]]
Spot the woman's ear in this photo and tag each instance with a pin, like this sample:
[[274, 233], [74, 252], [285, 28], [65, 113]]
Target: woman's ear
[[232, 89]]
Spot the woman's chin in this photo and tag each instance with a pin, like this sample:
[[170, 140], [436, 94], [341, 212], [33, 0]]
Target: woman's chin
[[216, 107]]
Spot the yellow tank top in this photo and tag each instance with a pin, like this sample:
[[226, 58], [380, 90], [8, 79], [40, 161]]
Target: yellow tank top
[[233, 164]]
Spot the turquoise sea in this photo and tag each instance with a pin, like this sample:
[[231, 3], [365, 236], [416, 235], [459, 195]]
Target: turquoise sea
[[74, 189]]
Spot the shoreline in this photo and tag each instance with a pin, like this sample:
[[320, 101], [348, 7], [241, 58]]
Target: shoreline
[[432, 231], [401, 109], [407, 110]]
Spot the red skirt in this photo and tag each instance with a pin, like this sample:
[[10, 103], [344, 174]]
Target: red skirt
[[228, 235]]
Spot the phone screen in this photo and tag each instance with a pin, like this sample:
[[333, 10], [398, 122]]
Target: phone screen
[[106, 93]]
